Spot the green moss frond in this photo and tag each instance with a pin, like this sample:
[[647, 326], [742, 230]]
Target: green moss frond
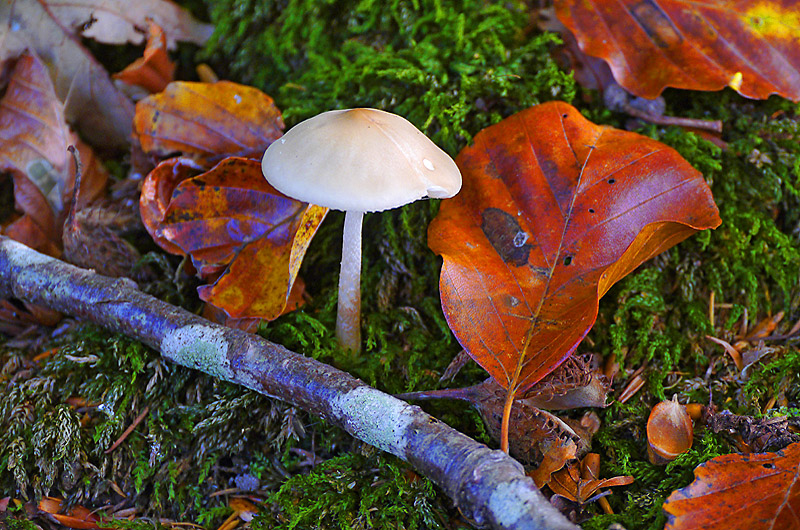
[[451, 68]]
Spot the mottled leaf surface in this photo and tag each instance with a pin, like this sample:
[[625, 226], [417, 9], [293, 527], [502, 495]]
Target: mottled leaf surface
[[740, 492], [207, 121], [33, 150], [553, 211], [752, 46], [231, 219]]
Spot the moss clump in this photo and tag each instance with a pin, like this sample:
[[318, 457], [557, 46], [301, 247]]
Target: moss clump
[[450, 67], [65, 411], [354, 492], [657, 317]]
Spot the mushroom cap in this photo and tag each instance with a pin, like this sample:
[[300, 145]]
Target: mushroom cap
[[359, 159]]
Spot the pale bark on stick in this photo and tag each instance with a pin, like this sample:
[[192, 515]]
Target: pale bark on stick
[[488, 486]]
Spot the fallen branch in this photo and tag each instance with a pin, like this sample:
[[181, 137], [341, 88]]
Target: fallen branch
[[488, 486]]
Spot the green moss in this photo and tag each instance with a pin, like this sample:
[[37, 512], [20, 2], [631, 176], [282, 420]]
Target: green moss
[[169, 464], [450, 67], [354, 492], [657, 317]]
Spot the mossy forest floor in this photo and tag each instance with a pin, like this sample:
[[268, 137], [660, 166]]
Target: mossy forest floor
[[452, 67]]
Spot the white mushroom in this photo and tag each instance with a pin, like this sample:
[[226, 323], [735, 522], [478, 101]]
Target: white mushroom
[[358, 160]]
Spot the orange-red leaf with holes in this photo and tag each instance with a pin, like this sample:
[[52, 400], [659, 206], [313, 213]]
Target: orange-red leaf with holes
[[740, 492], [231, 219], [207, 121], [754, 47], [553, 211], [33, 150], [154, 70]]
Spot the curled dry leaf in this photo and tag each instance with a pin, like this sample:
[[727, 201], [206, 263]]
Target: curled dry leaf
[[749, 46], [78, 517], [92, 103], [121, 21], [231, 219], [553, 211], [156, 193], [579, 482], [740, 492], [760, 434], [154, 71], [33, 150], [669, 431], [207, 122]]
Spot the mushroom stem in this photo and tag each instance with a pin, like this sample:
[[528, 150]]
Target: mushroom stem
[[348, 317]]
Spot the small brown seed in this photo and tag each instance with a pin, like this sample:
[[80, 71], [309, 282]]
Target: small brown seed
[[669, 432]]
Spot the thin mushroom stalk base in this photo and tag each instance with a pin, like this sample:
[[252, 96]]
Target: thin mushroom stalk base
[[488, 487], [348, 316]]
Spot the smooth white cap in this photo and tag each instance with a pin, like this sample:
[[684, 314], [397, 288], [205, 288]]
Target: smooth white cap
[[359, 159]]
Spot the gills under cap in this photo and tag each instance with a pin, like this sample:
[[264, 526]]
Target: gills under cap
[[359, 159]]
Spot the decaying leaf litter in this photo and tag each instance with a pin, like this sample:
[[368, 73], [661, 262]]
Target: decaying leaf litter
[[657, 318]]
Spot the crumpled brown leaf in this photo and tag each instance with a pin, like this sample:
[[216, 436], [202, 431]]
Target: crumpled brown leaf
[[207, 121], [740, 492], [154, 70], [121, 21], [33, 149], [230, 219], [92, 103]]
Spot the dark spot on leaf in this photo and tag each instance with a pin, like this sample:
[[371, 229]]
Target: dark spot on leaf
[[591, 210], [768, 466], [656, 23], [567, 260], [506, 236], [611, 181]]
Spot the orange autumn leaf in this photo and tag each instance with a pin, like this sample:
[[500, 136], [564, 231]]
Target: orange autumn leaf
[[33, 150], [740, 492], [78, 517], [154, 71], [751, 46], [553, 211], [156, 193], [207, 121], [579, 482], [231, 219]]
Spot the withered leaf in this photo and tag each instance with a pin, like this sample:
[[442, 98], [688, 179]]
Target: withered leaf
[[553, 211], [753, 47], [535, 435], [740, 492], [231, 219], [154, 70], [207, 121], [33, 149], [121, 21], [92, 103]]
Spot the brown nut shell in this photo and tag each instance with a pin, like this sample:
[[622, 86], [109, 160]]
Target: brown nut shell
[[669, 432]]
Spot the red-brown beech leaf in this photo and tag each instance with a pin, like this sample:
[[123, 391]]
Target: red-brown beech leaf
[[156, 193], [754, 47], [207, 121], [740, 492], [231, 219], [553, 211], [154, 70], [33, 150]]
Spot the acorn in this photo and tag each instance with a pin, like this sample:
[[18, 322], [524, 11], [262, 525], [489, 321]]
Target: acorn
[[669, 432]]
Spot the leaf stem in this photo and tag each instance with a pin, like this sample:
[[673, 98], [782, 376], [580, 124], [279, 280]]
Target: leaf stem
[[506, 418]]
